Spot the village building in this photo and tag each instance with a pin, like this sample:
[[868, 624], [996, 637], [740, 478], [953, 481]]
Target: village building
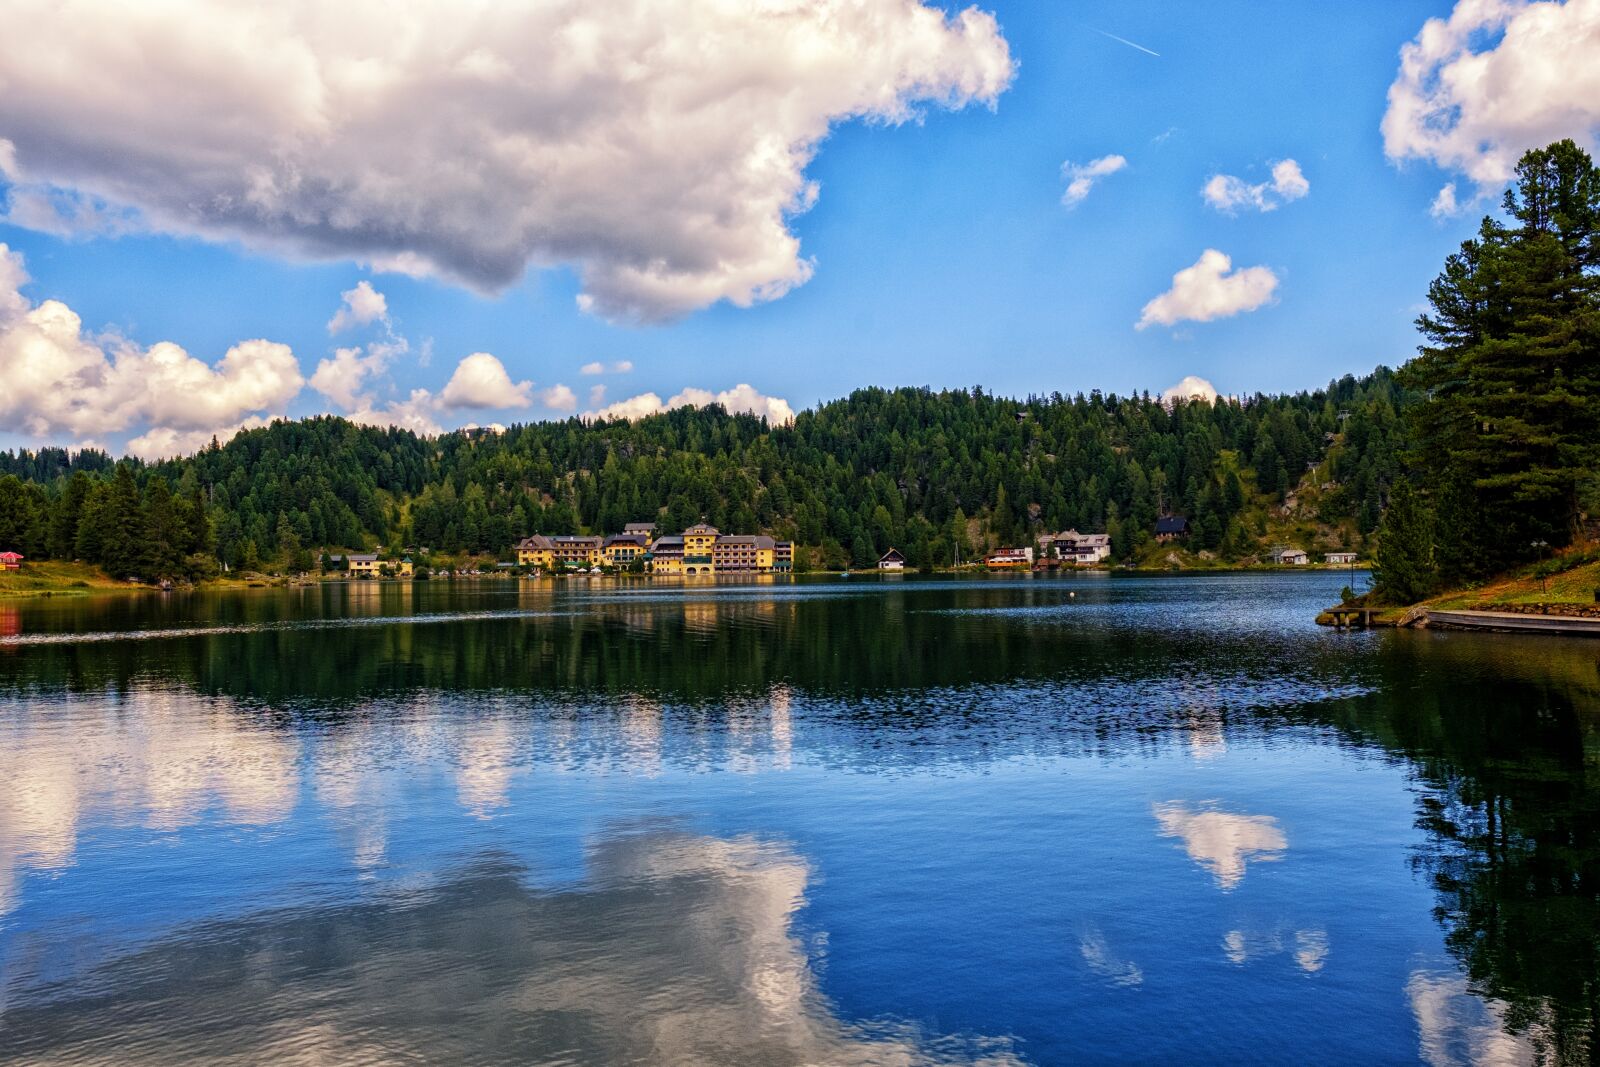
[[1070, 546], [743, 553], [647, 530], [11, 561], [1289, 556], [624, 550], [700, 550], [1171, 528], [666, 555], [892, 560], [1341, 558], [1009, 559], [698, 542], [370, 565], [576, 551], [536, 551]]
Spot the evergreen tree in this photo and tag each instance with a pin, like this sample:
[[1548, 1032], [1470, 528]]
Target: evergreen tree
[[1404, 570]]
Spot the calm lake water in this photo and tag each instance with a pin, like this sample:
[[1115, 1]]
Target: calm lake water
[[868, 821]]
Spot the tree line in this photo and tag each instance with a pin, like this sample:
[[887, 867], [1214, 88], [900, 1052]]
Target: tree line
[[942, 475]]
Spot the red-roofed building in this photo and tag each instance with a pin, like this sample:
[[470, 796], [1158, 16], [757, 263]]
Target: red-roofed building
[[10, 561]]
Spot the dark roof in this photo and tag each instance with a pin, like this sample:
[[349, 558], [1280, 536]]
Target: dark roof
[[638, 527], [1172, 524], [669, 541], [891, 555], [759, 540], [625, 539]]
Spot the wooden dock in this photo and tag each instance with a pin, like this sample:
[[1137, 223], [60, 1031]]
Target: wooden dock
[[1511, 621]]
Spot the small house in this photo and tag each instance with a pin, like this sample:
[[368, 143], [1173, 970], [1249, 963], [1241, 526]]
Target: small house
[[11, 561], [1340, 558], [362, 564], [892, 560], [1288, 556], [1171, 528]]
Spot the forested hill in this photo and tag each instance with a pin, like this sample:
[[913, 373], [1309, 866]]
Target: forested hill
[[929, 472]]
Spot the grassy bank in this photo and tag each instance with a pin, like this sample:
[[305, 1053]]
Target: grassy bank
[[1564, 585], [55, 578]]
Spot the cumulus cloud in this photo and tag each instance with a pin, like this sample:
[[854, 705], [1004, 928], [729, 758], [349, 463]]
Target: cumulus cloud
[[1444, 205], [163, 442], [1081, 177], [363, 305], [559, 398], [1228, 193], [657, 146], [1192, 387], [1208, 290], [480, 381], [343, 378], [1497, 77], [597, 396], [741, 399], [60, 381], [621, 366], [417, 413]]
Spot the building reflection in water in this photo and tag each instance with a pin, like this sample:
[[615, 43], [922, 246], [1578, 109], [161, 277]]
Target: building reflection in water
[[636, 965]]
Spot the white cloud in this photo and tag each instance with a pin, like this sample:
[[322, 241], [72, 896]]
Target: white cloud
[[1192, 387], [1496, 78], [1444, 205], [741, 399], [480, 381], [342, 378], [597, 396], [1081, 177], [1208, 290], [559, 398], [163, 442], [1227, 193], [621, 366], [416, 413], [362, 305], [657, 146], [635, 407], [60, 381]]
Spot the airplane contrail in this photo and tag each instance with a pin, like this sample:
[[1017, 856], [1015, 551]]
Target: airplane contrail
[[1127, 42]]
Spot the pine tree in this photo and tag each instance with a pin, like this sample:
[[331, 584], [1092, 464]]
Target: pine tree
[[1404, 570]]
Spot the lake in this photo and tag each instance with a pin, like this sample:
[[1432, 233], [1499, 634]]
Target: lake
[[1058, 820]]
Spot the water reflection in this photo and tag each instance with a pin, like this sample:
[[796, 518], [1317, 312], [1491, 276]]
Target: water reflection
[[438, 722], [165, 767], [676, 949], [1457, 1029], [1308, 947], [1222, 842]]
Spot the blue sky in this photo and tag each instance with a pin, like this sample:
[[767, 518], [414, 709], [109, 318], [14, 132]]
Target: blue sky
[[943, 254]]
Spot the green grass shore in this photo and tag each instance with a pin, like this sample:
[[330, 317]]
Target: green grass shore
[[55, 578], [1564, 585]]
